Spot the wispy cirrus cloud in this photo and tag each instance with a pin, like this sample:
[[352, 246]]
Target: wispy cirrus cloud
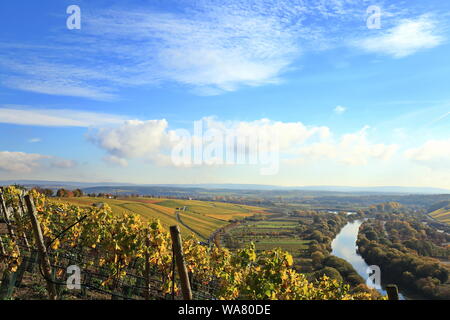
[[211, 49], [219, 46], [404, 39], [55, 78], [58, 87], [208, 47], [24, 115], [444, 116]]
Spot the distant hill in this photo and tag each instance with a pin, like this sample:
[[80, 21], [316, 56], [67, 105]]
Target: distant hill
[[137, 188], [440, 205], [60, 184], [383, 189]]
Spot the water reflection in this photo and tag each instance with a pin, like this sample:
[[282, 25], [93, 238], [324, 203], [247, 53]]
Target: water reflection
[[344, 246]]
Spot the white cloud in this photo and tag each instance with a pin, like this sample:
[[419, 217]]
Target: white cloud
[[56, 117], [116, 160], [132, 139], [351, 149], [20, 162], [289, 134], [34, 140], [406, 38], [434, 154], [340, 110], [63, 163], [152, 141]]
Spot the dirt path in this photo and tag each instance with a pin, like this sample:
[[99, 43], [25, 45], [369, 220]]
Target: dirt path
[[180, 221]]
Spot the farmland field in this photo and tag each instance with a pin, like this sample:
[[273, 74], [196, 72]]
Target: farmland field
[[218, 210], [442, 215], [202, 216], [270, 234]]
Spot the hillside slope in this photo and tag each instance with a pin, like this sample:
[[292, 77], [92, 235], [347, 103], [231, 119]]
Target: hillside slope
[[441, 211], [202, 216]]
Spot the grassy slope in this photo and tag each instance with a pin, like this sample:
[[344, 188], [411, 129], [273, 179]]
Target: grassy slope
[[442, 215], [202, 216], [218, 210]]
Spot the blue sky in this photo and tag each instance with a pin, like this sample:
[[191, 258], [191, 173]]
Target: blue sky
[[349, 104]]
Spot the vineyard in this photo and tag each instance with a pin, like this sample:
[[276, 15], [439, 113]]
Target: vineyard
[[204, 217], [126, 257]]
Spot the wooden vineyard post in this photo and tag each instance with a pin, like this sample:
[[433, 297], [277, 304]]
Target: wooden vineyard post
[[147, 270], [33, 253], [2, 248], [392, 292], [7, 285], [6, 217], [9, 277], [42, 250], [22, 214], [181, 266]]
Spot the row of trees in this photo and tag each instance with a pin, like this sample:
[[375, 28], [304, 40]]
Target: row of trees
[[399, 263], [60, 193], [66, 193], [63, 193]]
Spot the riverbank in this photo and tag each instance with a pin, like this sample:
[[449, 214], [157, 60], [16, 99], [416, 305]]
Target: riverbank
[[344, 246]]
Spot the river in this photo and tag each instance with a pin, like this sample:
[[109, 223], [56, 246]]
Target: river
[[344, 246]]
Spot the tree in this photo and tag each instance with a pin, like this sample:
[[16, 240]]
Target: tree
[[69, 194], [317, 235], [61, 193], [329, 272], [317, 257], [77, 193], [48, 192], [371, 235]]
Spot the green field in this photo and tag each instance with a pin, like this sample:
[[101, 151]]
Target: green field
[[288, 244], [202, 216], [269, 234]]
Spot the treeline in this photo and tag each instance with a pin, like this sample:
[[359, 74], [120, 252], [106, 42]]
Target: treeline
[[76, 193], [63, 193], [60, 193], [403, 250]]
